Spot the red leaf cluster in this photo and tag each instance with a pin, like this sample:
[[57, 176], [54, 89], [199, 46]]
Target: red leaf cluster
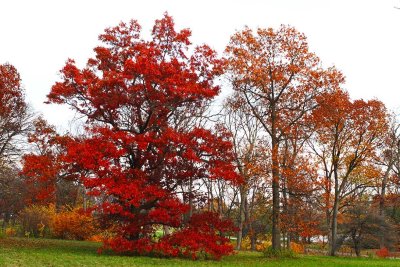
[[201, 237], [383, 253]]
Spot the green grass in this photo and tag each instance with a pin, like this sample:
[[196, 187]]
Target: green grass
[[49, 252]]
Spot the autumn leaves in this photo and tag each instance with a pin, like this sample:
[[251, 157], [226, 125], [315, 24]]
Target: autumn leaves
[[146, 156], [298, 102]]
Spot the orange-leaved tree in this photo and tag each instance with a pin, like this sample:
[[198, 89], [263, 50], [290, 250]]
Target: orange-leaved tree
[[279, 78], [346, 138]]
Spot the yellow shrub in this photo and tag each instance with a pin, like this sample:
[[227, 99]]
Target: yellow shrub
[[345, 249], [36, 220], [261, 244], [246, 243], [73, 224]]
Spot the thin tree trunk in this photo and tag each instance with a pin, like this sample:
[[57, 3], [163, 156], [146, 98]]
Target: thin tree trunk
[[84, 200], [356, 243], [241, 217], [190, 198], [211, 197], [382, 204], [253, 240], [276, 235]]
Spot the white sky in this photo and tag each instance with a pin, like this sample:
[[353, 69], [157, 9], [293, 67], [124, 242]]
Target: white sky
[[361, 38]]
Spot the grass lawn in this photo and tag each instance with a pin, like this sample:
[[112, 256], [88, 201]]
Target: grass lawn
[[49, 252]]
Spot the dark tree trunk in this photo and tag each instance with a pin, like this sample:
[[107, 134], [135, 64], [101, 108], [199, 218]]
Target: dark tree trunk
[[382, 205], [356, 243], [276, 231], [253, 240], [333, 241]]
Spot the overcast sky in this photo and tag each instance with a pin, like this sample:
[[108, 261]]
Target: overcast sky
[[361, 38]]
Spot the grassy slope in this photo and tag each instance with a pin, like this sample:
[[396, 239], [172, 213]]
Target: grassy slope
[[46, 252]]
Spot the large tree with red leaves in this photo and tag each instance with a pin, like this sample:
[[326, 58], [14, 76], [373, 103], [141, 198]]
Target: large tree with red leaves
[[139, 98]]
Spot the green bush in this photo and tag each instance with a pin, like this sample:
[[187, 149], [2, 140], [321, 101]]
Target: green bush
[[270, 252]]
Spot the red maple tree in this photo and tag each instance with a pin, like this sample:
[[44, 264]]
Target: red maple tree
[[139, 98], [42, 169]]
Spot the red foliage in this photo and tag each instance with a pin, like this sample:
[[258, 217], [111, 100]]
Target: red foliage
[[202, 236], [140, 98], [43, 169], [383, 253]]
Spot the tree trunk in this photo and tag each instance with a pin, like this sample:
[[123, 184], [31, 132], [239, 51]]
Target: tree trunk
[[241, 217], [285, 210], [246, 217], [328, 226], [166, 229], [356, 243], [357, 249], [84, 200], [253, 240], [276, 235], [288, 240], [332, 251], [210, 197], [382, 205], [190, 198]]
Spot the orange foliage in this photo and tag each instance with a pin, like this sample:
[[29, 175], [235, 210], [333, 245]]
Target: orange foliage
[[298, 216], [10, 231], [74, 224], [96, 238], [277, 75], [348, 135], [262, 243], [297, 247]]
